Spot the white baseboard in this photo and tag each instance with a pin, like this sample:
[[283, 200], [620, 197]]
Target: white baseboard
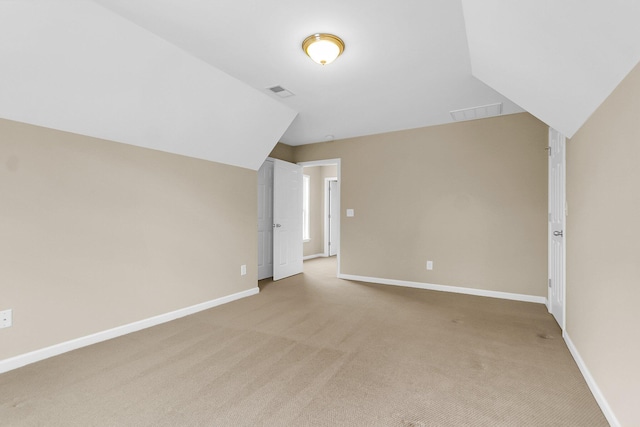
[[445, 288], [54, 350], [313, 256], [591, 382]]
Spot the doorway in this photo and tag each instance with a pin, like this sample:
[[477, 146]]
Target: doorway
[[324, 217]]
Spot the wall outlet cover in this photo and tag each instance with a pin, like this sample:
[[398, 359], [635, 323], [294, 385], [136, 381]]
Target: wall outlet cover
[[6, 318]]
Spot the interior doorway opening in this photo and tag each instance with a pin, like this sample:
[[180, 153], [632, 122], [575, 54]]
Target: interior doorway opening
[[323, 237]]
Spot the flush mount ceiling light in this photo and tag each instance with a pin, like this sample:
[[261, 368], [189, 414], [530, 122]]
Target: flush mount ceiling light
[[323, 48]]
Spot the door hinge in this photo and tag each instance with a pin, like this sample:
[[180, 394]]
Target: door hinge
[[549, 150], [549, 282]]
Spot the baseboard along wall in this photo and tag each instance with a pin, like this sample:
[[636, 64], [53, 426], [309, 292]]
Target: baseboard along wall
[[591, 382], [56, 349], [313, 256], [445, 288]]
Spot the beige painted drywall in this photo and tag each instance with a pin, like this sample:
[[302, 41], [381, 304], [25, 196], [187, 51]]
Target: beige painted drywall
[[96, 234], [330, 171], [282, 152], [470, 196], [603, 247]]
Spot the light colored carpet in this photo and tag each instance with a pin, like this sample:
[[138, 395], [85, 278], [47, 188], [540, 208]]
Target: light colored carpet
[[313, 350]]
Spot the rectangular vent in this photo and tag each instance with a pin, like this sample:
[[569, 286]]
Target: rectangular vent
[[280, 91], [481, 112]]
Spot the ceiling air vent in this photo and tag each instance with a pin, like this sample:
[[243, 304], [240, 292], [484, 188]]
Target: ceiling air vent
[[280, 91], [474, 113]]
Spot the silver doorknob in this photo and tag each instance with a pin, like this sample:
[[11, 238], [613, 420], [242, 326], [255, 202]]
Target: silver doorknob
[[277, 225], [557, 233]]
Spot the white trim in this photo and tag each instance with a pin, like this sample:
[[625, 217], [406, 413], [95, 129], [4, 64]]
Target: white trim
[[56, 349], [306, 203], [327, 162], [327, 203], [445, 288], [593, 386], [313, 256]]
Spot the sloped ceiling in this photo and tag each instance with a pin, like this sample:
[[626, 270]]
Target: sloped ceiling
[[406, 65], [559, 60], [190, 76], [75, 66]]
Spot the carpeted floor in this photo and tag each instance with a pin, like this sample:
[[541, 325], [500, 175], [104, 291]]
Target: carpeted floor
[[313, 350]]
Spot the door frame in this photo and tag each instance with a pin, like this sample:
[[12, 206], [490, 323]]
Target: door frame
[[327, 213], [337, 163]]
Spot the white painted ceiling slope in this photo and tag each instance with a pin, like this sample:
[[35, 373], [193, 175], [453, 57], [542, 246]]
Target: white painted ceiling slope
[[558, 59], [190, 76], [75, 66]]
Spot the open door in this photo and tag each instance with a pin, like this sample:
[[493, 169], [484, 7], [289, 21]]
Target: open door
[[287, 219], [557, 217]]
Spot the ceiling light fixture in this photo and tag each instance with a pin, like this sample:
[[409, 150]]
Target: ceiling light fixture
[[323, 48]]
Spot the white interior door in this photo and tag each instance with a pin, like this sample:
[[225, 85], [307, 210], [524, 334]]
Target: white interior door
[[334, 218], [557, 219], [265, 220], [287, 219]]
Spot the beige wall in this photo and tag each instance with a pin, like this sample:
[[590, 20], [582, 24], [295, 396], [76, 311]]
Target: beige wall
[[96, 234], [470, 196], [283, 152], [603, 247]]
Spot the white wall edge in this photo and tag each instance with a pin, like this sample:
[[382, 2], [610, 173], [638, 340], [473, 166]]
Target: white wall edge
[[313, 256], [56, 349], [591, 382], [445, 288]]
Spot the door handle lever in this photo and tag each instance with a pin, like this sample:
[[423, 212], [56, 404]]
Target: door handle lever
[[277, 225], [558, 233]]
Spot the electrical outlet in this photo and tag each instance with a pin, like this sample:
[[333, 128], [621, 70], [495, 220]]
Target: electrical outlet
[[6, 318], [243, 269], [429, 265]]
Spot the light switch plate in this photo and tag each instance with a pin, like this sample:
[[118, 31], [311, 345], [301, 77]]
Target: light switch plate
[[429, 265], [350, 212]]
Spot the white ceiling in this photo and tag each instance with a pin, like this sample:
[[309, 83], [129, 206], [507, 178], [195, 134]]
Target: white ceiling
[[558, 59], [74, 66], [190, 76], [405, 65]]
